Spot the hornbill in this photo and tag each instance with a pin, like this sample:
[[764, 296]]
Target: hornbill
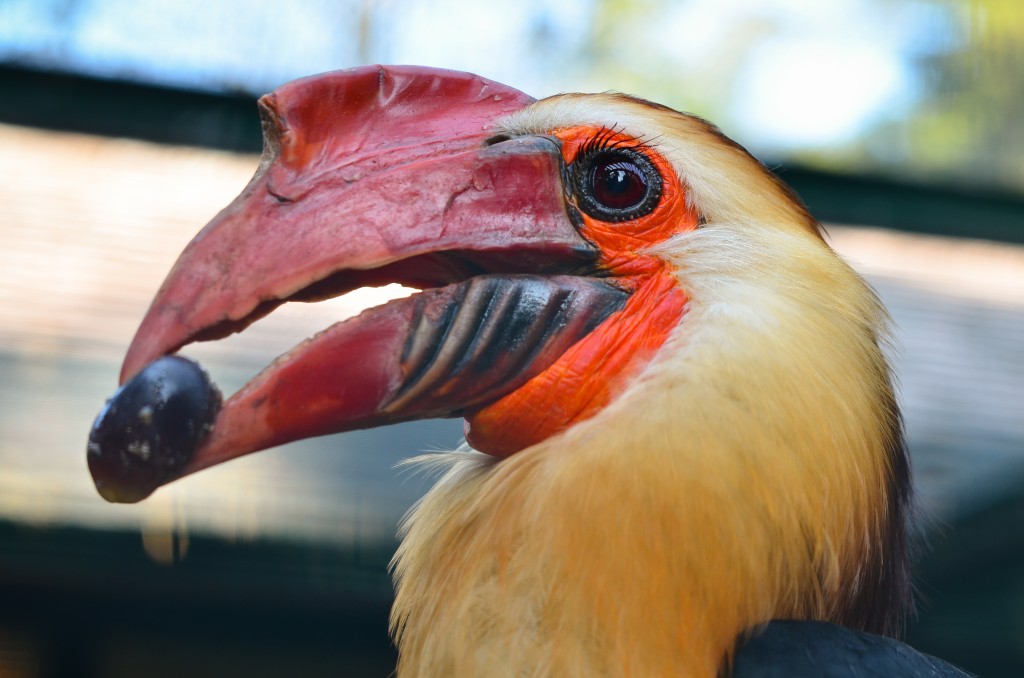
[[680, 422]]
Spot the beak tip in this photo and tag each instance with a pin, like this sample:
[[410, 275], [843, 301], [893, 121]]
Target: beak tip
[[123, 494], [151, 428]]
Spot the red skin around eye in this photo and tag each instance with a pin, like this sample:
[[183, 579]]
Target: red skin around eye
[[589, 375]]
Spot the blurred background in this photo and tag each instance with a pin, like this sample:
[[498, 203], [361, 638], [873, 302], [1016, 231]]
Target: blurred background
[[126, 125]]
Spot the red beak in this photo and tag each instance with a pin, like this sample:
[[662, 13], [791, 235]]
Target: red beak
[[371, 176]]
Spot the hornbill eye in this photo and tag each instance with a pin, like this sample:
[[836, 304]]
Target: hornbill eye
[[616, 184]]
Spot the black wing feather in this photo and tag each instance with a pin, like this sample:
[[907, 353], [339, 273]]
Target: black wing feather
[[807, 649]]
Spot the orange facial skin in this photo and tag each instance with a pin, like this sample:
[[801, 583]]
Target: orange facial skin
[[587, 377]]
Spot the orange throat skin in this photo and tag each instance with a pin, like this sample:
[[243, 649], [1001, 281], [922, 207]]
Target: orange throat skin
[[587, 377]]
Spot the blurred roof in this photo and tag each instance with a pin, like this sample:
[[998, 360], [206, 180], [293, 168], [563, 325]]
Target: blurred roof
[[927, 90]]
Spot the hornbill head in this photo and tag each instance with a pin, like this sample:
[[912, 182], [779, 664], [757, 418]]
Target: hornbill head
[[642, 327]]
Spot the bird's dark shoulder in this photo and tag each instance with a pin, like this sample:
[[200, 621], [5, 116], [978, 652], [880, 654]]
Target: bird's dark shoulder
[[807, 649]]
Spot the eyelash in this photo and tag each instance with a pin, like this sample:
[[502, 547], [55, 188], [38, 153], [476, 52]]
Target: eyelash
[[606, 140]]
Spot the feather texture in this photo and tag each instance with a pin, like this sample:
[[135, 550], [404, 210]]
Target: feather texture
[[754, 470]]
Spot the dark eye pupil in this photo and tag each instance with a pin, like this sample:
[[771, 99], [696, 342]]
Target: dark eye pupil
[[618, 184], [615, 184]]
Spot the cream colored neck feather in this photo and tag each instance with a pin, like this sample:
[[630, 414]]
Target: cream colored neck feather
[[742, 477]]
